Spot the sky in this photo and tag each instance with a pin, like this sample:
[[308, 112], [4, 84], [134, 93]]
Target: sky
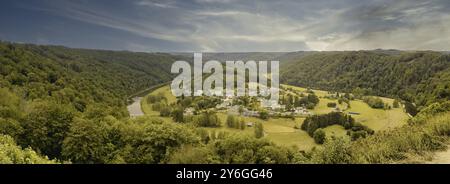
[[229, 25]]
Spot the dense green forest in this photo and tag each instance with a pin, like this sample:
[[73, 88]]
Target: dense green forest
[[61, 105], [46, 90], [420, 77], [79, 77]]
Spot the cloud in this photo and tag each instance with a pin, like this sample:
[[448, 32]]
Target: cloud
[[229, 25], [157, 4]]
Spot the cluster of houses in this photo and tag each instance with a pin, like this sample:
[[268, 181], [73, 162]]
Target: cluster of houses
[[273, 110]]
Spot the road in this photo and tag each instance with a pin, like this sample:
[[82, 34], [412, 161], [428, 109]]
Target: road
[[135, 108]]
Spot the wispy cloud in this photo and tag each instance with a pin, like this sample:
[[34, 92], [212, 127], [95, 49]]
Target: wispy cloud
[[157, 4], [229, 25]]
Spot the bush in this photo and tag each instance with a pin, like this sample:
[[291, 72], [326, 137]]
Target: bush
[[331, 104], [165, 111], [319, 136], [374, 102], [264, 115], [259, 130], [178, 114], [207, 119], [395, 104], [336, 150], [410, 108], [231, 121], [242, 124]]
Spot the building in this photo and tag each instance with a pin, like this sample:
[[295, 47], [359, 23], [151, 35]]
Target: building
[[301, 111], [188, 111], [249, 113]]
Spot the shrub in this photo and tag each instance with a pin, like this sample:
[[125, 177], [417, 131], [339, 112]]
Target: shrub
[[319, 136], [264, 115], [259, 130], [165, 111], [331, 104], [207, 119], [396, 104], [374, 102], [336, 150]]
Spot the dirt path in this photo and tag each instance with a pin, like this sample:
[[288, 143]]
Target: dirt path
[[442, 157]]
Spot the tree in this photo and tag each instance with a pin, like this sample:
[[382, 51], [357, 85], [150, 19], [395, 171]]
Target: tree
[[272, 155], [319, 136], [204, 135], [230, 121], [312, 98], [395, 104], [209, 119], [12, 154], [242, 124], [11, 127], [374, 102], [148, 140], [331, 104], [177, 114], [263, 115], [410, 108], [336, 150], [194, 155], [165, 111], [259, 130], [89, 142], [45, 128]]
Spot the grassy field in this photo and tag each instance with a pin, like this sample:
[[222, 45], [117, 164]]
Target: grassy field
[[282, 131], [147, 109], [376, 119]]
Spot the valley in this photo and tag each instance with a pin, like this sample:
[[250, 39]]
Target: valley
[[64, 105], [285, 131]]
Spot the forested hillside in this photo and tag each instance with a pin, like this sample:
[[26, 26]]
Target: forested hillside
[[46, 90], [61, 105], [421, 77], [79, 77]]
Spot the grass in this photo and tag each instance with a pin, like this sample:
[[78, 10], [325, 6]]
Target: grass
[[147, 109], [376, 119], [281, 130], [335, 130]]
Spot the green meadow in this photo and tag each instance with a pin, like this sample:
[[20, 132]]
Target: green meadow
[[283, 131]]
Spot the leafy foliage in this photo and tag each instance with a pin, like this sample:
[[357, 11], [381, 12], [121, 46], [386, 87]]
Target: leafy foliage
[[259, 130], [418, 77], [319, 136], [10, 153]]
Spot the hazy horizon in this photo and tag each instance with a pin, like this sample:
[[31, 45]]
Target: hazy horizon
[[214, 52]]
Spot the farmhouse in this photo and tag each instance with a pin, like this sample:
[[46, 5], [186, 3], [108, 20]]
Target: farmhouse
[[189, 111], [301, 111], [249, 113]]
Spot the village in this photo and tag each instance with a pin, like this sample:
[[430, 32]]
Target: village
[[233, 105]]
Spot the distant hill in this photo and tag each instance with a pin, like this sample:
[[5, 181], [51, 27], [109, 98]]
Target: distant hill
[[422, 77], [283, 57], [80, 76]]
